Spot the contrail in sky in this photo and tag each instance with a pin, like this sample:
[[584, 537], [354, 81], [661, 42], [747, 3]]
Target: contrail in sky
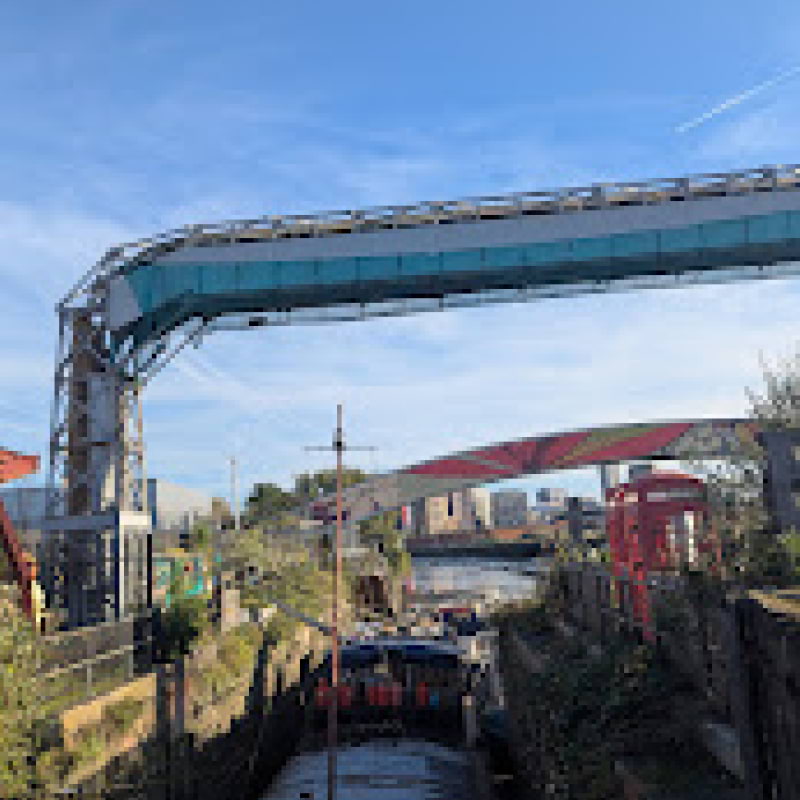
[[739, 98]]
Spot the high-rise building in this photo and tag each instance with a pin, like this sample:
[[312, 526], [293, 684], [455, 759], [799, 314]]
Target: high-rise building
[[482, 507], [509, 508], [460, 511], [451, 513]]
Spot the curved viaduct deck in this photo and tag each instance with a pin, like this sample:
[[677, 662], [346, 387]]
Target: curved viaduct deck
[[513, 247], [666, 441]]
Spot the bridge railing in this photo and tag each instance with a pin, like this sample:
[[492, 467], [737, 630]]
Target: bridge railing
[[555, 201]]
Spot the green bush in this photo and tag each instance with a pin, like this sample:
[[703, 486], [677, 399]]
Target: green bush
[[586, 712], [89, 746], [180, 625], [121, 715], [235, 652]]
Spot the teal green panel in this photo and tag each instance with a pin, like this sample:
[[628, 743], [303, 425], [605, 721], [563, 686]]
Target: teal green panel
[[794, 224], [769, 228], [337, 270], [634, 244], [504, 257], [378, 268], [462, 260], [158, 286], [298, 273], [724, 233], [180, 279], [254, 276], [676, 239], [548, 252], [588, 249], [141, 282], [218, 278], [419, 264]]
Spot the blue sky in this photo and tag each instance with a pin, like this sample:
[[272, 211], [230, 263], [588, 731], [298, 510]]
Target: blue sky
[[120, 119]]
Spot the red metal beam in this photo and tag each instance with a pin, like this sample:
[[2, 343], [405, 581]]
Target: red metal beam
[[15, 465]]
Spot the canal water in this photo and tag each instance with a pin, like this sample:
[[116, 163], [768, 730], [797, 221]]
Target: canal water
[[485, 582], [407, 769], [380, 770]]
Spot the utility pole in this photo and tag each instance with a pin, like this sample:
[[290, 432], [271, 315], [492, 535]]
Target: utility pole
[[333, 706], [234, 494]]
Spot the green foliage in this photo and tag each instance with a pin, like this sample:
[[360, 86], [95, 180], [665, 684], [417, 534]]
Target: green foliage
[[268, 501], [30, 753], [89, 746], [201, 538], [589, 711], [310, 485], [235, 653], [383, 532], [790, 543], [180, 625], [121, 715], [752, 554], [248, 548]]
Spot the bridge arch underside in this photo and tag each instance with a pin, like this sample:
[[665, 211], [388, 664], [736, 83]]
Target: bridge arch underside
[[686, 440]]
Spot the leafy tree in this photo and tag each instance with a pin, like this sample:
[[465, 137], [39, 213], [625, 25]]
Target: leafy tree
[[310, 485], [201, 538], [182, 623], [268, 501], [248, 548], [384, 531], [752, 553]]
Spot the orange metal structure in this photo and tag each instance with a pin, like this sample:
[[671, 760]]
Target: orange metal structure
[[12, 467]]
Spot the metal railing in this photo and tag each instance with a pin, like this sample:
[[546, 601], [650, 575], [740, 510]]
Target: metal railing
[[469, 209]]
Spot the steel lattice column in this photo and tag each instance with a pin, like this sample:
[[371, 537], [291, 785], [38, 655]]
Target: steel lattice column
[[98, 525]]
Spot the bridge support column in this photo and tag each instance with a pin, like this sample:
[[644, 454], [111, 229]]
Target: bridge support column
[[98, 525]]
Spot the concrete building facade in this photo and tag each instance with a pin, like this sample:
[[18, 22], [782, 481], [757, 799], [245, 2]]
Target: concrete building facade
[[176, 508], [509, 508]]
